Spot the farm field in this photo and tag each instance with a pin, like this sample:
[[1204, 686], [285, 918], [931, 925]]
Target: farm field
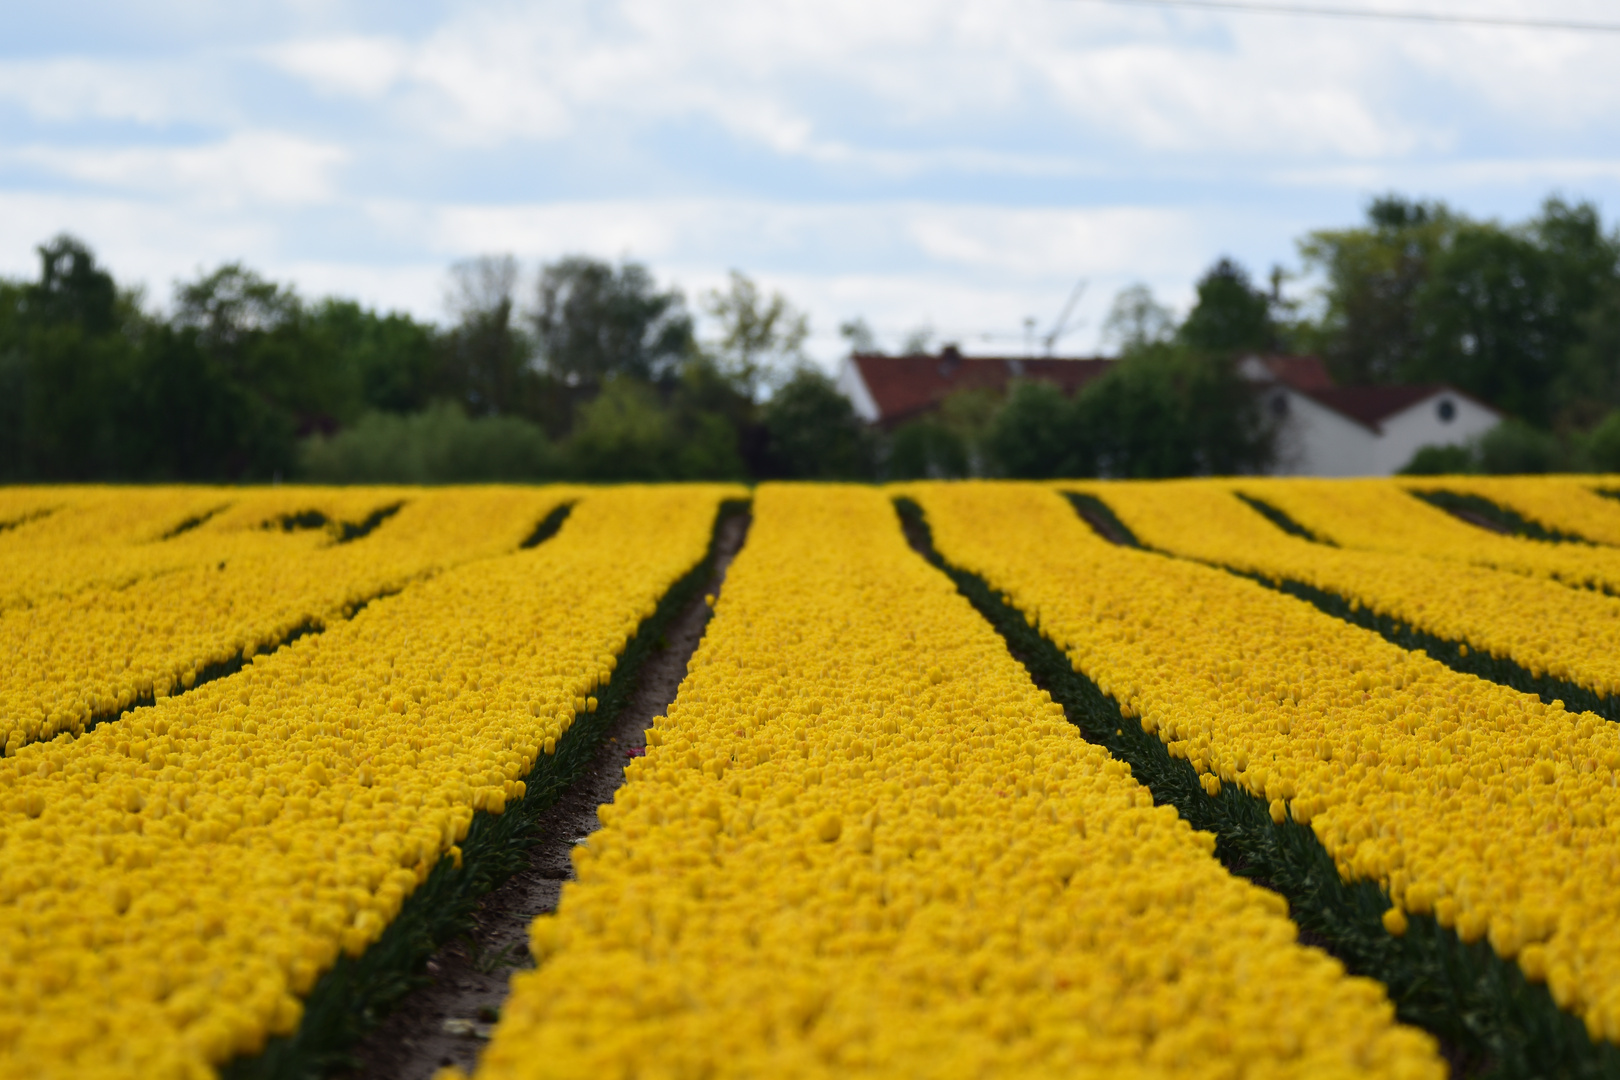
[[1227, 778]]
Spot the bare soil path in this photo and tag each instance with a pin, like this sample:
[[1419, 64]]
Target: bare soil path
[[446, 1021]]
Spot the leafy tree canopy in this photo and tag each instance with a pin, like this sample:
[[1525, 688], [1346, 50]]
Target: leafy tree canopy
[[814, 434], [592, 321], [1230, 315], [1508, 313], [760, 340]]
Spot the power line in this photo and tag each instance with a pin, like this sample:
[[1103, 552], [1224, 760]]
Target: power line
[[1371, 14]]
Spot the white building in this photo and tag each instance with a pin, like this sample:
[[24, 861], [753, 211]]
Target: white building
[[1328, 430], [1323, 429]]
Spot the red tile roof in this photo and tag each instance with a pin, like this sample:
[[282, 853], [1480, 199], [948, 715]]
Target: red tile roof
[[1369, 406], [1372, 405], [1303, 373], [903, 387]]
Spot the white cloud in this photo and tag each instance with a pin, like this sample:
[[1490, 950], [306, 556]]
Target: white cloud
[[917, 88], [365, 67], [1038, 243], [966, 270], [955, 162], [243, 169], [835, 261], [1005, 243], [72, 88], [145, 242]]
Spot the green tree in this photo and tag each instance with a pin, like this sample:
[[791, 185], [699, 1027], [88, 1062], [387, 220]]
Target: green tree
[[1603, 444], [1230, 315], [1160, 412], [926, 449], [201, 422], [1165, 412], [390, 361], [717, 421], [624, 433], [1037, 436], [1136, 320], [812, 432], [1514, 448], [1490, 322], [592, 322], [759, 339], [1588, 388], [859, 335], [1509, 314], [485, 359], [73, 289], [69, 371], [969, 415], [260, 336], [1369, 330]]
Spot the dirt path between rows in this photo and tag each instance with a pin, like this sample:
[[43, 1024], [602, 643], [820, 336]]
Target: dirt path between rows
[[447, 1021]]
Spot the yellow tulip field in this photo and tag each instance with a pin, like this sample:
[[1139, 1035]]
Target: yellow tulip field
[[1231, 778]]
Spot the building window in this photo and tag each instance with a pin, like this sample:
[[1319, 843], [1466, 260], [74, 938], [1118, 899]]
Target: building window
[[1446, 410]]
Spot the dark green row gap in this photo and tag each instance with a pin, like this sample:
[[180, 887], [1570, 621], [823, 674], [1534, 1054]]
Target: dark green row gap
[[193, 521], [23, 519], [223, 669], [357, 993], [1283, 521], [1491, 1021], [548, 526], [1484, 513], [1459, 656], [343, 532], [1473, 510]]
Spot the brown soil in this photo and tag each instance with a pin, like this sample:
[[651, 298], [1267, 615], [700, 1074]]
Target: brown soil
[[446, 1021], [1479, 520]]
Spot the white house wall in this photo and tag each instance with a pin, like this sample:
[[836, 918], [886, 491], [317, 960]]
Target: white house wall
[[1317, 441], [1420, 425], [853, 387]]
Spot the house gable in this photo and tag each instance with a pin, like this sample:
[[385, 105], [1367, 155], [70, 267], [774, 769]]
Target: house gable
[[1316, 440], [1328, 430], [1446, 417]]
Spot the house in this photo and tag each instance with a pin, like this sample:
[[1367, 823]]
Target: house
[[1329, 430], [889, 390], [1322, 429]]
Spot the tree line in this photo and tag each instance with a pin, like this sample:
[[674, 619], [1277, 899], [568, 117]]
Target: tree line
[[1525, 317], [597, 374], [594, 371]]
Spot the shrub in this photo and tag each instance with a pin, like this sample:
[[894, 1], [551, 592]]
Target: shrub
[[1514, 447], [439, 445], [1035, 436], [812, 432], [1437, 460], [927, 450], [1603, 444]]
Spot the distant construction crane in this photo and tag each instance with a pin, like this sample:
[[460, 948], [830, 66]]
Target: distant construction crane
[[1062, 327]]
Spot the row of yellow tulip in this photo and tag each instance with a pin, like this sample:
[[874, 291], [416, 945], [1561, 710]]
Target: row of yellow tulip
[[1496, 813], [173, 881], [234, 588], [1377, 515], [864, 844], [61, 540], [1565, 504], [1544, 627]]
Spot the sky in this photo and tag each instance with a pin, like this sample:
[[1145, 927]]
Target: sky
[[956, 165]]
